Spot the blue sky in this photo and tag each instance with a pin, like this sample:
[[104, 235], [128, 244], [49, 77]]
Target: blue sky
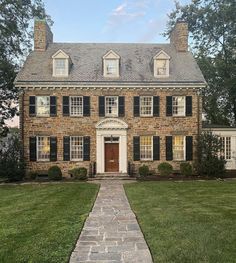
[[109, 20]]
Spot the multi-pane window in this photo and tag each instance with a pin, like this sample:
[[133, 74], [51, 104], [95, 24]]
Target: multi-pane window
[[146, 106], [145, 147], [76, 148], [226, 145], [111, 106], [111, 67], [43, 105], [60, 67], [178, 104], [43, 148], [76, 106], [161, 67], [178, 147]]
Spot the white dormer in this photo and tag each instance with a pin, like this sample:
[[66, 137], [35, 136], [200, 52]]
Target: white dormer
[[61, 63], [111, 65], [161, 65]]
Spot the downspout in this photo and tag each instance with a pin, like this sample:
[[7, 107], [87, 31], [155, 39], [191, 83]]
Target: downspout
[[22, 97]]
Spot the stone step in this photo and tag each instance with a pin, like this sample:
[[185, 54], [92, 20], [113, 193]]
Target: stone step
[[112, 176]]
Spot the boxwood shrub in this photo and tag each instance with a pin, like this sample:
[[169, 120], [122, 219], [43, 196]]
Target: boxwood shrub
[[79, 173], [54, 173], [143, 171], [165, 169], [186, 169]]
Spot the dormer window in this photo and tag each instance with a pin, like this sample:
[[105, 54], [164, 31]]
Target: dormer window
[[161, 65], [61, 63], [60, 67], [111, 63], [111, 66]]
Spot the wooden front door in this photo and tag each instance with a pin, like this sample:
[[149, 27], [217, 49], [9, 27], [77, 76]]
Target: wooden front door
[[111, 157]]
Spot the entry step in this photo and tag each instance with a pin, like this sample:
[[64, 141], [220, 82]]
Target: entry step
[[112, 176]]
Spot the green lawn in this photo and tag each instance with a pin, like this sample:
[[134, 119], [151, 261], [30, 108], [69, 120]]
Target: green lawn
[[41, 223], [187, 221]]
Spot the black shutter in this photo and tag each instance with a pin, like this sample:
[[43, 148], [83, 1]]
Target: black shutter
[[121, 106], [53, 149], [136, 106], [156, 148], [32, 106], [53, 106], [86, 106], [189, 148], [86, 151], [101, 106], [66, 105], [188, 105], [169, 148], [169, 106], [66, 148], [136, 148], [32, 149], [156, 106]]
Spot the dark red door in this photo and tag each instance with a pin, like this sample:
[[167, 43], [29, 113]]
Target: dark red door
[[111, 157]]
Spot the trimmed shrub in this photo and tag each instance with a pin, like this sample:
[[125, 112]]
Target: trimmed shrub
[[186, 169], [165, 169], [54, 173], [32, 175], [143, 170], [79, 173]]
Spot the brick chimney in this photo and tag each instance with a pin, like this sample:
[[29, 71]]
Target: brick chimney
[[179, 36], [42, 35]]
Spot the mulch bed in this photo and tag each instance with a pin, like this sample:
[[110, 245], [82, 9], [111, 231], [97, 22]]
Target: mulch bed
[[178, 177]]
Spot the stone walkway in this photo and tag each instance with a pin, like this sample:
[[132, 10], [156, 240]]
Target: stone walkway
[[111, 232]]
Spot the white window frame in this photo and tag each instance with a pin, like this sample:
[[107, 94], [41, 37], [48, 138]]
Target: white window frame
[[42, 115], [184, 147], [76, 159], [116, 67], [184, 109], [140, 106], [151, 158], [224, 152], [37, 149], [66, 70], [166, 68], [70, 104], [117, 110]]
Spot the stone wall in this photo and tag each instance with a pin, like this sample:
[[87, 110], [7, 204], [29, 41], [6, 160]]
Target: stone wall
[[85, 126]]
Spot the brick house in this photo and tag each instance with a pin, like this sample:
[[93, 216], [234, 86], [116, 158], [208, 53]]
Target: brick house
[[109, 106]]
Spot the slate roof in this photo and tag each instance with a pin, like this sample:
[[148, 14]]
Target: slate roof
[[136, 64]]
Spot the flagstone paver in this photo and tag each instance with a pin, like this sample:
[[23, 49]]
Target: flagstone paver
[[111, 232]]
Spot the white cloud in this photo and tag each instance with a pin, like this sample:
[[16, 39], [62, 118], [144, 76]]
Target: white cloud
[[126, 12]]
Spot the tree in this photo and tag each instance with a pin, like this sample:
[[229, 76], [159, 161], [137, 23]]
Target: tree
[[11, 164], [210, 162], [212, 27], [15, 42]]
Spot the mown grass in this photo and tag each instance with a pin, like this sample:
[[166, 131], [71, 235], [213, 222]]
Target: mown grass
[[187, 221], [41, 223]]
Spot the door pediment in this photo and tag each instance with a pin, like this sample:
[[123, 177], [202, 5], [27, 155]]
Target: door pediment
[[111, 124]]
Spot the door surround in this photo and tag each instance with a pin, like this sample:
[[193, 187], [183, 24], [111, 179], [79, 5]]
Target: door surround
[[111, 127]]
